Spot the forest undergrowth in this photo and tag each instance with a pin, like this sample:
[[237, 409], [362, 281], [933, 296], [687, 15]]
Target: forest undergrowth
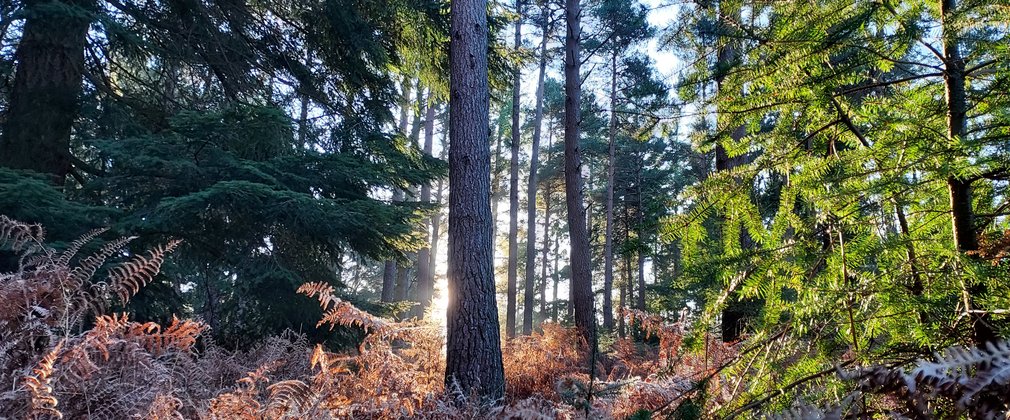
[[66, 354]]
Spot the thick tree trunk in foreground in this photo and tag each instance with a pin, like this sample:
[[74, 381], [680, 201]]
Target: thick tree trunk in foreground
[[582, 282], [510, 309], [47, 83], [531, 190], [473, 342]]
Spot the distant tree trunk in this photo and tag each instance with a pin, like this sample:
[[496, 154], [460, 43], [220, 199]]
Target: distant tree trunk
[[425, 282], [404, 268], [620, 310], [641, 238], [582, 282], [556, 276], [531, 186], [608, 240], [473, 343], [513, 262], [962, 214], [44, 98], [402, 280], [388, 280], [544, 252], [496, 184], [436, 219], [389, 268]]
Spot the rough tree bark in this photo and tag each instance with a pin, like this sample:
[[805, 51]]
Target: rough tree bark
[[47, 83], [473, 343], [582, 282]]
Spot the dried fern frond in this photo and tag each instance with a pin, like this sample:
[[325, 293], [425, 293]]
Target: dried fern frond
[[20, 237], [39, 384], [87, 268], [75, 246], [976, 380], [127, 278], [338, 312], [291, 395]]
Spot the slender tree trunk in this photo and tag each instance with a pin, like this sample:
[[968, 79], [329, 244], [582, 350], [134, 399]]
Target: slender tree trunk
[[556, 276], [621, 330], [425, 281], [608, 240], [389, 268], [436, 219], [545, 250], [641, 238], [303, 107], [473, 343], [916, 287], [531, 187], [44, 101], [496, 184], [582, 282], [510, 310], [960, 190], [403, 269], [388, 280]]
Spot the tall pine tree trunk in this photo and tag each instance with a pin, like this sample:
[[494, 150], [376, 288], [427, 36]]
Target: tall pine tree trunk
[[962, 214], [473, 364], [641, 239], [582, 282], [531, 186], [44, 100], [513, 262], [608, 240]]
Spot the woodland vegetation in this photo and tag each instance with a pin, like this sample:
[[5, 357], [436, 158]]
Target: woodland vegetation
[[504, 209]]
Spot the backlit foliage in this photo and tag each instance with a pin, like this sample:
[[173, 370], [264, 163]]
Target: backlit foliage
[[66, 358]]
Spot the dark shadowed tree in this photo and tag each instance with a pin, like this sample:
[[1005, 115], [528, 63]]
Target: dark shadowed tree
[[44, 99]]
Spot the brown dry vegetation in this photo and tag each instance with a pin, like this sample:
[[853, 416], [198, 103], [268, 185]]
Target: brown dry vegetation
[[53, 367]]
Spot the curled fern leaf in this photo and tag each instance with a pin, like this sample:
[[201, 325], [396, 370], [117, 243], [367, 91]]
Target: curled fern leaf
[[39, 383]]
